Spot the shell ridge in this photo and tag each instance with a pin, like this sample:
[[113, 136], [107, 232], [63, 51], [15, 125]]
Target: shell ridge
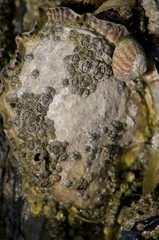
[[60, 14], [103, 27]]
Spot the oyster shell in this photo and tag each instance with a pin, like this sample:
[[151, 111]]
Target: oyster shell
[[68, 119]]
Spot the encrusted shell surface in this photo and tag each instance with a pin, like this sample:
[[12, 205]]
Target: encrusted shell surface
[[129, 59], [68, 119]]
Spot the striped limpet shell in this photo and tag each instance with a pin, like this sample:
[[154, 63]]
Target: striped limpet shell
[[68, 119], [129, 59]]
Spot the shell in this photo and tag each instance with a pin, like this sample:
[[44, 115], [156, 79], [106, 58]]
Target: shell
[[129, 59], [67, 118]]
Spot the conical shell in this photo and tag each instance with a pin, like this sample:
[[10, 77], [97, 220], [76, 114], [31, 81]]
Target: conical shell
[[129, 59]]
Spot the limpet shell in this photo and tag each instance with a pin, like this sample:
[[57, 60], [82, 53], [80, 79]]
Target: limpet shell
[[129, 59], [68, 119]]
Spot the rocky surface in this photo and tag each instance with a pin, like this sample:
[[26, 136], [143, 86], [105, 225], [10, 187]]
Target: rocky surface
[[73, 173]]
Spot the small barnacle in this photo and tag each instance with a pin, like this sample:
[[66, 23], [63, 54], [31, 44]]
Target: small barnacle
[[91, 54], [12, 99], [109, 72], [75, 156], [71, 69], [75, 82], [33, 118], [89, 177], [73, 38], [17, 121], [41, 108], [101, 69], [93, 47], [47, 98], [80, 91], [67, 58], [51, 90], [121, 85], [65, 82], [63, 157], [85, 196], [86, 66], [75, 58], [26, 95], [92, 87], [87, 79], [84, 84], [103, 130], [85, 41], [31, 144], [56, 149], [88, 163], [26, 115], [77, 49], [32, 128], [91, 156], [46, 184], [35, 73], [58, 168], [87, 148], [67, 183], [80, 184], [108, 59], [87, 92]]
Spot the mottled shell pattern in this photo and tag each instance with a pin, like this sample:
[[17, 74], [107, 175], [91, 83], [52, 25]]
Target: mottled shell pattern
[[68, 119]]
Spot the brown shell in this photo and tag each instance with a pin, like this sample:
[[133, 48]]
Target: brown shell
[[66, 116]]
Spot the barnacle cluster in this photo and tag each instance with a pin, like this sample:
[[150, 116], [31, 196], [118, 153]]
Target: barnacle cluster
[[145, 222], [85, 73]]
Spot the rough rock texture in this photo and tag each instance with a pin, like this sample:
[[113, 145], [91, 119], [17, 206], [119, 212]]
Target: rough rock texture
[[6, 35], [151, 8]]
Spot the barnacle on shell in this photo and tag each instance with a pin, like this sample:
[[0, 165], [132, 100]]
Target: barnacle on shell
[[68, 119]]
